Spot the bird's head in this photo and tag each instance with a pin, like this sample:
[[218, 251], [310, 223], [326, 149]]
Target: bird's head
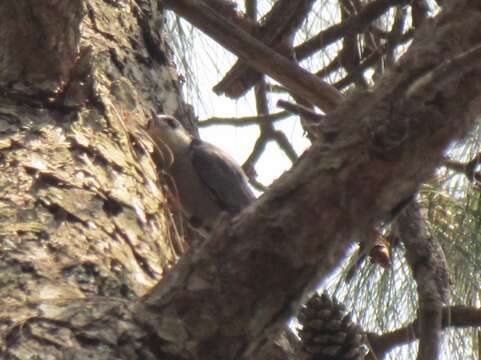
[[168, 131]]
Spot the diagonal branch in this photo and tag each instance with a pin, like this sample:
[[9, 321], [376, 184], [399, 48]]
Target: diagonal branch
[[351, 26], [301, 110], [257, 55], [222, 297], [370, 60], [267, 133], [277, 31], [354, 25]]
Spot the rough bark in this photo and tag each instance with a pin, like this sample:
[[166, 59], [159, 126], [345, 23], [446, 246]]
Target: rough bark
[[430, 270], [82, 211], [223, 297], [83, 221]]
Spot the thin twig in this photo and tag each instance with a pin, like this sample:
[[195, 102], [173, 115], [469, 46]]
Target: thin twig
[[354, 25], [371, 60], [268, 131], [285, 145], [244, 121], [468, 169], [300, 110], [334, 65], [452, 316]]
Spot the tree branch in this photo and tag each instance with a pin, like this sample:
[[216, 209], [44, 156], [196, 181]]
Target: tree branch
[[428, 264], [256, 54], [245, 121], [349, 55], [468, 169], [300, 110], [369, 61], [452, 316], [222, 297], [353, 25], [267, 133], [277, 32]]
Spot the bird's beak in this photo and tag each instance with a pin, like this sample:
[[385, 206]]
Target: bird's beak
[[150, 123]]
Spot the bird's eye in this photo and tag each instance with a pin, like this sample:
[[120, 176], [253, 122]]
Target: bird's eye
[[171, 122]]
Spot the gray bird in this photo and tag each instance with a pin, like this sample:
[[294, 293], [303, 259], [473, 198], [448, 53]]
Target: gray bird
[[207, 180]]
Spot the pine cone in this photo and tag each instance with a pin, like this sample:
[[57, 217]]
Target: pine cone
[[327, 332]]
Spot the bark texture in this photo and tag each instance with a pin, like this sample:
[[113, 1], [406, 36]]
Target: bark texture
[[84, 227], [249, 276], [427, 261], [83, 214]]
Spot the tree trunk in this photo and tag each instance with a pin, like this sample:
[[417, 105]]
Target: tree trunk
[[86, 228], [83, 214]]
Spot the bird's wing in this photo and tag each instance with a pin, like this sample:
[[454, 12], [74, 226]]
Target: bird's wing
[[222, 176]]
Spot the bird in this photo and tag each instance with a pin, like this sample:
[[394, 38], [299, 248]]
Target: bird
[[207, 181]]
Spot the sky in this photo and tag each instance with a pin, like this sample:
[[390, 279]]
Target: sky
[[210, 63], [239, 141]]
